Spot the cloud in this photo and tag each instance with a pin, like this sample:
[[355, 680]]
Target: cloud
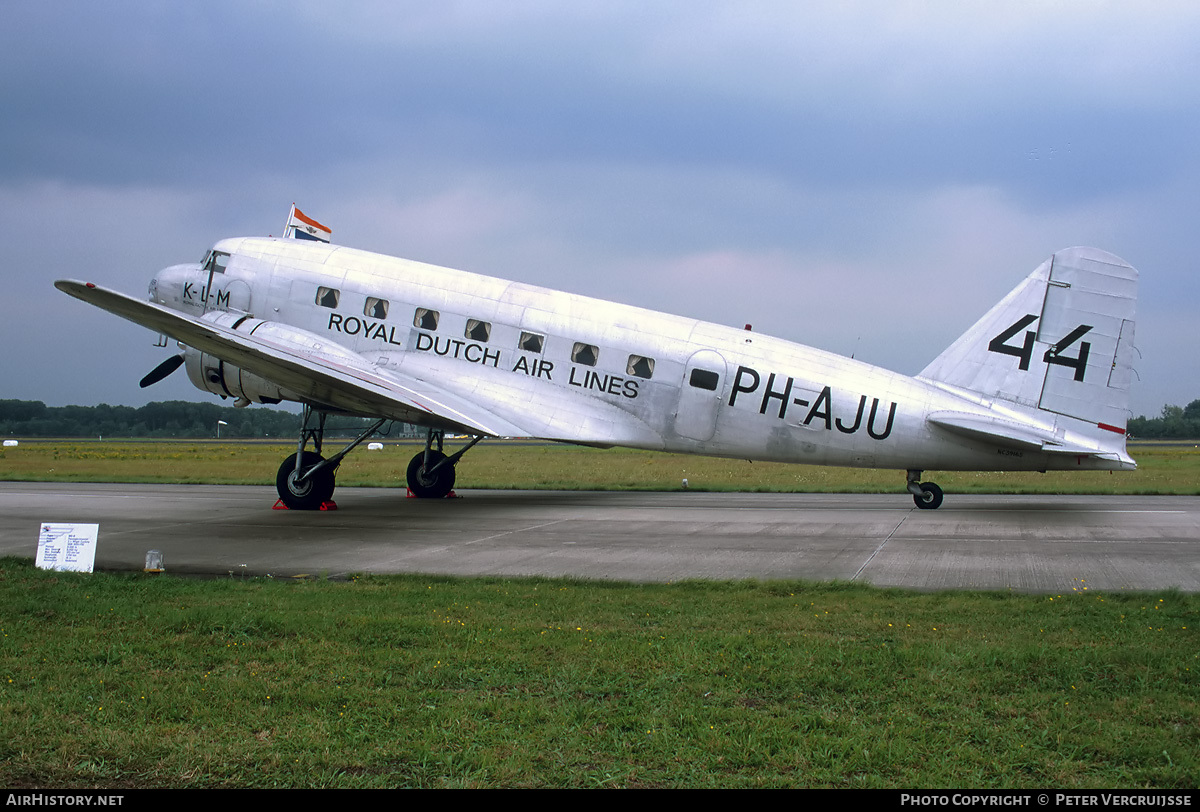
[[862, 176]]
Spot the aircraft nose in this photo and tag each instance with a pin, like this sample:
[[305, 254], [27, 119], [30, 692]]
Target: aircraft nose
[[167, 285]]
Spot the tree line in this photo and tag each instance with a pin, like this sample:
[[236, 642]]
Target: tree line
[[1175, 422], [164, 419]]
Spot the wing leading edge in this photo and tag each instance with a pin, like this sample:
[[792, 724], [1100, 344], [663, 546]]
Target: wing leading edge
[[341, 380]]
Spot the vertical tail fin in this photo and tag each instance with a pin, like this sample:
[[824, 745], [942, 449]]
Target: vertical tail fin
[[1062, 342]]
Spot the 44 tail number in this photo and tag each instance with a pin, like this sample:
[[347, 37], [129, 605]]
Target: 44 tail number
[[1054, 355]]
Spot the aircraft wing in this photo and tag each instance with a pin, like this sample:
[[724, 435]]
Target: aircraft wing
[[340, 380]]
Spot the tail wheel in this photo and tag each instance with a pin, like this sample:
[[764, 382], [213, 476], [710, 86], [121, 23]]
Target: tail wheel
[[428, 481], [309, 493], [930, 497]]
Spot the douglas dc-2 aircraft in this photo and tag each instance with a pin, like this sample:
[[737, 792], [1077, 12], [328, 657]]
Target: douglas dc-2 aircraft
[[1040, 382]]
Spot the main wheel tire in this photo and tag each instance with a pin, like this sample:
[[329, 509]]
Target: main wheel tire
[[309, 494], [930, 498], [430, 486]]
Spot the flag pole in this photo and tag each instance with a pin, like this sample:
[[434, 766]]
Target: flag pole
[[290, 220]]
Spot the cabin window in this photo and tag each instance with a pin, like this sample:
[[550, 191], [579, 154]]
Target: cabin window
[[375, 308], [640, 366], [328, 297], [704, 379], [585, 354], [478, 330], [531, 342], [426, 319], [216, 261]]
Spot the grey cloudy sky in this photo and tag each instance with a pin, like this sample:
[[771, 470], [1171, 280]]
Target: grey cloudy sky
[[864, 177]]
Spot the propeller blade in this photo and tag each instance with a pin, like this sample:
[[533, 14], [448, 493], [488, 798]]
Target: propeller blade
[[161, 371]]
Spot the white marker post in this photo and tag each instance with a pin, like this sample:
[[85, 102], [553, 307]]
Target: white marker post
[[67, 547]]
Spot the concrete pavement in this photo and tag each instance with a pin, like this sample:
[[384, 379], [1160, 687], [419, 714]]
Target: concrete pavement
[[1026, 543]]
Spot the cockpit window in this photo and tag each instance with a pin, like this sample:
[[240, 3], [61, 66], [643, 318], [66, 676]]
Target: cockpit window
[[216, 261]]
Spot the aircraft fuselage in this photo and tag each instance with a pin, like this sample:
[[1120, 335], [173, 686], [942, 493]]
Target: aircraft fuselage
[[578, 369]]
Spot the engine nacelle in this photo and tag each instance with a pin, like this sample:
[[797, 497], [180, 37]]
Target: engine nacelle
[[214, 375], [210, 373]]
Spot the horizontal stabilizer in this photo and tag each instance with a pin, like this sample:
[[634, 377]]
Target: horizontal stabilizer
[[991, 429], [1015, 435]]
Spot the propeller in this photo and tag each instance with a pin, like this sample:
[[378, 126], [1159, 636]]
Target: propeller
[[161, 371]]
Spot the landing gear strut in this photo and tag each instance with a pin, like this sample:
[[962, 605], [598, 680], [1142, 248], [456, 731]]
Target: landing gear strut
[[926, 495], [306, 479], [431, 473]]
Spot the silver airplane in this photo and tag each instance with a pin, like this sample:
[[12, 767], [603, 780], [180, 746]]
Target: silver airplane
[[1041, 382]]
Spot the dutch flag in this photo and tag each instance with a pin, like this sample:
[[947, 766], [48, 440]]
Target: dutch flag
[[301, 227]]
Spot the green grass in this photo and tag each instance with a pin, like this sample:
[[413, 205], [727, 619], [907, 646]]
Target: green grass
[[497, 464], [117, 681]]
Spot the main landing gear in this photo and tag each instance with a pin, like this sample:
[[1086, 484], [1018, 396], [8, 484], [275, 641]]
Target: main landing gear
[[927, 495], [306, 479], [431, 472]]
